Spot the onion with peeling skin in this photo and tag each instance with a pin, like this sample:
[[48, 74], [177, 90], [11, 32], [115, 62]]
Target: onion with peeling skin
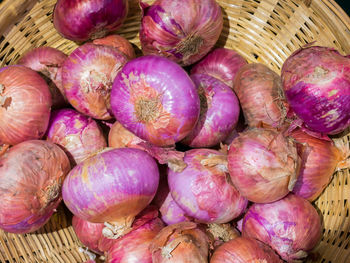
[[172, 212], [118, 42]]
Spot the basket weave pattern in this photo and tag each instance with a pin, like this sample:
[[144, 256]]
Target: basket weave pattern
[[265, 31]]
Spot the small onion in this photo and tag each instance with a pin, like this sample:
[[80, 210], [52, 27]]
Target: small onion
[[127, 184], [155, 99], [244, 250], [118, 42], [80, 20], [263, 164], [25, 105], [87, 77], [204, 190], [172, 212], [260, 92], [181, 30], [180, 243], [221, 63], [79, 135], [48, 62], [316, 81], [219, 112], [31, 176], [291, 226]]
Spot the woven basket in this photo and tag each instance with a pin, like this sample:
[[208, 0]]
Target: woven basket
[[265, 31]]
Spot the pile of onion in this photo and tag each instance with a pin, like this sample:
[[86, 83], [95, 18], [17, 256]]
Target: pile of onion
[[31, 176], [118, 42]]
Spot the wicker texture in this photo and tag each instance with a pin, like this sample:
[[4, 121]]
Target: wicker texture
[[265, 31]]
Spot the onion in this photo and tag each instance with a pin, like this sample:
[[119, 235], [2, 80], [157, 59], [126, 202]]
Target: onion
[[204, 190], [180, 243], [120, 137], [316, 81], [79, 135], [112, 187], [291, 226], [31, 175], [48, 62], [172, 212], [181, 30], [221, 233], [118, 42], [81, 20], [25, 103], [263, 164], [260, 92], [218, 115], [87, 76], [221, 63], [242, 249], [155, 99]]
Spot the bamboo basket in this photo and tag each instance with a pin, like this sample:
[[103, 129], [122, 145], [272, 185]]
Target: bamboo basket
[[265, 31]]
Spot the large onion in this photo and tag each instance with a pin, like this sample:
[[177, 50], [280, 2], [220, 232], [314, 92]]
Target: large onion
[[25, 105], [155, 99], [31, 175], [181, 30], [118, 42]]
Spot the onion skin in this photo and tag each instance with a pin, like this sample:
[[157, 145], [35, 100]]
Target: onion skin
[[319, 161], [48, 61], [316, 81], [155, 109], [220, 63], [291, 226], [171, 212], [25, 105], [260, 92], [244, 250], [79, 135], [204, 192], [31, 176], [118, 42], [263, 164], [80, 20], [87, 77], [119, 137], [219, 112], [181, 30]]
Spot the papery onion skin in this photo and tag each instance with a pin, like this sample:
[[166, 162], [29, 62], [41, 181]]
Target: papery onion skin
[[80, 20], [218, 115], [79, 135], [319, 161], [291, 226], [260, 93], [118, 42], [25, 105], [119, 137], [263, 164], [155, 99], [181, 30], [31, 176], [87, 77], [221, 63], [171, 212], [204, 192], [244, 250], [48, 61], [316, 81]]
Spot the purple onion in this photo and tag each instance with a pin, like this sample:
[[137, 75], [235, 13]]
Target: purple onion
[[172, 212]]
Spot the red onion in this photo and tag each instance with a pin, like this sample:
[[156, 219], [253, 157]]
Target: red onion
[[31, 175], [221, 63], [79, 135], [181, 30], [87, 77], [263, 164], [119, 137], [25, 103], [221, 233], [242, 249], [204, 190], [172, 212], [260, 92], [155, 99], [316, 81], [118, 42], [112, 187], [218, 115], [291, 226], [48, 62], [180, 243], [80, 20]]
